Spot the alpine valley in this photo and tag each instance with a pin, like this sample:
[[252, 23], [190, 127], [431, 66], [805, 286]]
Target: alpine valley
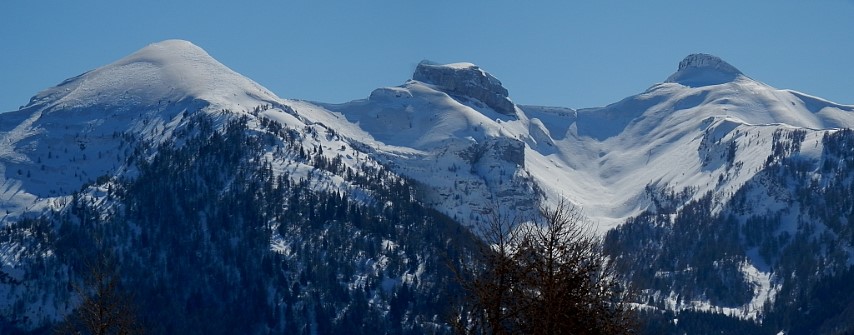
[[726, 203]]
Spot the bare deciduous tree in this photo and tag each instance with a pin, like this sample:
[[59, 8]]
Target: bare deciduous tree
[[104, 309], [548, 276]]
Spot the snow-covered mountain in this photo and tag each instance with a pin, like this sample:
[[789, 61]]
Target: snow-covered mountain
[[599, 158], [703, 141], [166, 148], [71, 134], [708, 140], [435, 128]]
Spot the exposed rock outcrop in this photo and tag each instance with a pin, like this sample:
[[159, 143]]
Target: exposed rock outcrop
[[703, 70], [496, 151], [467, 80]]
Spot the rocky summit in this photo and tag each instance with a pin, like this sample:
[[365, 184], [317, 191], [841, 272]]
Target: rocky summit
[[466, 80]]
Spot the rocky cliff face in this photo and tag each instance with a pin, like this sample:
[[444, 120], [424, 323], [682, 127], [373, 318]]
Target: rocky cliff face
[[703, 70], [467, 80], [707, 61]]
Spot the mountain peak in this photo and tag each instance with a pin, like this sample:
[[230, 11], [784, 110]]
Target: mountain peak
[[169, 52], [456, 66], [165, 71], [466, 79], [703, 70], [701, 60]]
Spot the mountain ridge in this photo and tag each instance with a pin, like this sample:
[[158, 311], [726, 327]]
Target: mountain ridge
[[167, 71], [420, 118], [708, 138], [403, 119]]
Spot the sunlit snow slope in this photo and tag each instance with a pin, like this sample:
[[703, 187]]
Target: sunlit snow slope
[[88, 126], [455, 130], [707, 129], [599, 158]]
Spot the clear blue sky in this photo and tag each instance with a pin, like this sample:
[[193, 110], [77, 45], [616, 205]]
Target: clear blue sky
[[562, 53]]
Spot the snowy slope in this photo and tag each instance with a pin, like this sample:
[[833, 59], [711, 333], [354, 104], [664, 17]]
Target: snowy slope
[[88, 126], [73, 133], [160, 73], [469, 157], [657, 136], [599, 158], [81, 139], [435, 131], [705, 128]]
